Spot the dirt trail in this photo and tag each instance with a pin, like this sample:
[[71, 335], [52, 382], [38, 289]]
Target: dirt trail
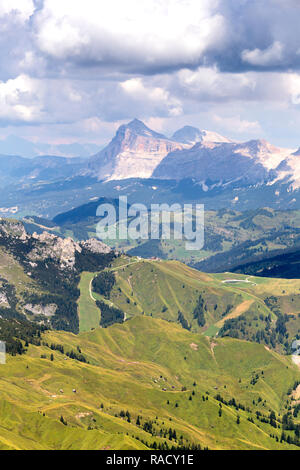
[[111, 269], [239, 310]]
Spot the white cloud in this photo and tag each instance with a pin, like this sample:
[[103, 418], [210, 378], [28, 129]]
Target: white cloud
[[146, 32], [90, 64], [293, 86], [235, 124], [210, 84], [155, 97], [23, 9], [271, 56], [20, 100]]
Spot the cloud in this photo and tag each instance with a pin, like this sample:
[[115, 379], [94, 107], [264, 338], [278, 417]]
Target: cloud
[[293, 84], [20, 100], [235, 124], [138, 35], [21, 10], [92, 64], [155, 97], [270, 56], [208, 84]]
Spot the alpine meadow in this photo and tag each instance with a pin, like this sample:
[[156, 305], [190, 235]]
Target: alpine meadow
[[149, 228]]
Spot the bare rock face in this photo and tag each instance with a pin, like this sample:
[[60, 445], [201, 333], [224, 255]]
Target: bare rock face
[[95, 246], [3, 300], [46, 310], [13, 228], [192, 135], [138, 152], [62, 250], [134, 152], [47, 246]]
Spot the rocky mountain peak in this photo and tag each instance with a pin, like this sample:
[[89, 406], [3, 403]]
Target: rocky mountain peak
[[193, 135], [188, 134], [95, 246], [138, 128], [134, 152]]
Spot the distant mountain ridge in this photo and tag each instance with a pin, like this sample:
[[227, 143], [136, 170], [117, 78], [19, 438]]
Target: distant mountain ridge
[[149, 167], [136, 151], [13, 145]]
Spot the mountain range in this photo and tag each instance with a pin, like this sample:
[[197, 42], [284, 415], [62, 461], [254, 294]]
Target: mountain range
[[209, 158], [190, 166], [13, 145], [212, 160]]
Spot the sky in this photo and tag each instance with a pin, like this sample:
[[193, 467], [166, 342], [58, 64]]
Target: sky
[[74, 70]]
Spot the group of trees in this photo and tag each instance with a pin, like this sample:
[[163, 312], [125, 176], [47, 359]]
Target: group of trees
[[259, 329], [54, 284], [103, 283], [198, 312], [109, 315], [183, 321], [18, 334], [231, 402]]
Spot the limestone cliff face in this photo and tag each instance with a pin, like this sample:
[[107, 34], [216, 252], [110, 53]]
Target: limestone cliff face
[[134, 152], [12, 229]]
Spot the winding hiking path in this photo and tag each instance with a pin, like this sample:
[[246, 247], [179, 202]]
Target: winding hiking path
[[110, 269], [89, 313]]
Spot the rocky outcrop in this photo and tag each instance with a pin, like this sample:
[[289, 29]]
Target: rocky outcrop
[[12, 228], [62, 250], [192, 135], [250, 162], [138, 152], [3, 299], [40, 247], [95, 246], [46, 310]]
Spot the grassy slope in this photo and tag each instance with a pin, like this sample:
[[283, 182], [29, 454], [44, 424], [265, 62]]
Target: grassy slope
[[13, 272], [127, 372], [89, 314], [161, 288]]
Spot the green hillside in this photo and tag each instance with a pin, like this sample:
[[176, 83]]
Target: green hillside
[[175, 371], [258, 309], [175, 380]]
